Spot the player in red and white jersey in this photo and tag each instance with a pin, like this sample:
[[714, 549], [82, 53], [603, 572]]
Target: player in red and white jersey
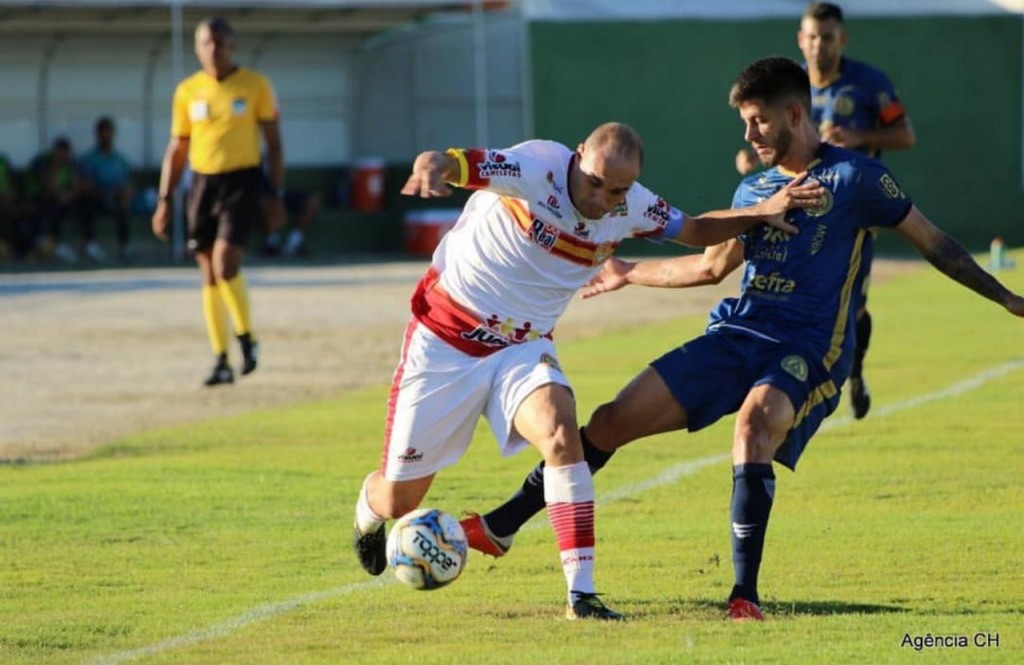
[[539, 227]]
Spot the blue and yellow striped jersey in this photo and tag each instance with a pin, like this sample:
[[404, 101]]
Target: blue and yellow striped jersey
[[798, 288]]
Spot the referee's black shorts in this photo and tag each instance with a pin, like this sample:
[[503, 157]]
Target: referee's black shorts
[[224, 205]]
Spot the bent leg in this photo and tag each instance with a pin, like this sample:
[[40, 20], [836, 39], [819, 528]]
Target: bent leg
[[644, 407]]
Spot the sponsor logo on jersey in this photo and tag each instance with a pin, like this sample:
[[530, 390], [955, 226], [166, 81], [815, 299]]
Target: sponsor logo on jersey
[[772, 235], [552, 206], [889, 186], [483, 335], [818, 239], [659, 212], [238, 105], [773, 283], [411, 455], [543, 234], [581, 230], [497, 164], [796, 367]]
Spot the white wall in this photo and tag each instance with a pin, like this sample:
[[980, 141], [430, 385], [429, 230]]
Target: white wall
[[57, 87], [418, 89]]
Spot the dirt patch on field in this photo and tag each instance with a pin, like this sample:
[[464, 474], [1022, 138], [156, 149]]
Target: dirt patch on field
[[87, 358]]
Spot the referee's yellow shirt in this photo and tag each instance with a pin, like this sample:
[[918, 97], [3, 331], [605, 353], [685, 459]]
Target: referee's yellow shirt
[[222, 119]]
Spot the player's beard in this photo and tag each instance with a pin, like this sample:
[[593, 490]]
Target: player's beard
[[780, 146]]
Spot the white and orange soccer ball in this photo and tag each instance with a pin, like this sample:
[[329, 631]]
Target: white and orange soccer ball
[[427, 549]]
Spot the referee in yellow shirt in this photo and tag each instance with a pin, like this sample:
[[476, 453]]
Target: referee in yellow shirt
[[217, 117]]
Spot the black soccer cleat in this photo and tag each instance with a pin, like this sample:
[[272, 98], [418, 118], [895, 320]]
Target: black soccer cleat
[[860, 398], [221, 373], [589, 606], [370, 549], [250, 353]]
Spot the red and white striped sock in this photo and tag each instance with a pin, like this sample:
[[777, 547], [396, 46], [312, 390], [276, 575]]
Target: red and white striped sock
[[569, 493]]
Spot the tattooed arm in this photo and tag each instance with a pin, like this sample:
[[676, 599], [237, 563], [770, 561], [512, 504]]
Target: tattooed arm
[[950, 257]]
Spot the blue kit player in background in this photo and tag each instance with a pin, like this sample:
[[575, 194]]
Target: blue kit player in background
[[777, 355], [854, 106]]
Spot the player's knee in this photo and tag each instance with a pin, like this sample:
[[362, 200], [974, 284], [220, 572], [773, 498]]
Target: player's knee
[[608, 429], [752, 443], [561, 447]]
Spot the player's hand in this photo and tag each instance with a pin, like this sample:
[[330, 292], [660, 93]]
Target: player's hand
[[613, 276], [428, 174], [275, 214], [797, 194], [161, 220], [746, 161]]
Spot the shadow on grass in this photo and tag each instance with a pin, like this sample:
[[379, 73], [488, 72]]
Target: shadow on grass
[[812, 607], [715, 609]]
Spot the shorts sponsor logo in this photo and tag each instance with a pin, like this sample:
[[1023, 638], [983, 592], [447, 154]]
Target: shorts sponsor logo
[[497, 164], [411, 455], [796, 367]]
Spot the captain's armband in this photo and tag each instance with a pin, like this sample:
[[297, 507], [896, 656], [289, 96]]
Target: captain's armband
[[461, 178]]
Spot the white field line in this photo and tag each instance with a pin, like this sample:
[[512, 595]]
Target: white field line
[[667, 477]]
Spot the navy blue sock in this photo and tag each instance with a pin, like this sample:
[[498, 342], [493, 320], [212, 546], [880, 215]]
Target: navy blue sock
[[863, 339], [753, 491], [510, 516]]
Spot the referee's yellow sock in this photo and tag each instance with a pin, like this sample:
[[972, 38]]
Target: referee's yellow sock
[[216, 320], [236, 297]]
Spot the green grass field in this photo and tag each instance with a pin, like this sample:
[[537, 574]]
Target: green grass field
[[227, 541]]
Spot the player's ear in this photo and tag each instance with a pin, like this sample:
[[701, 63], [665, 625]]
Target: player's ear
[[794, 113]]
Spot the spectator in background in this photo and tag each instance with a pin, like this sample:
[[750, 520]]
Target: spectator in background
[[107, 184], [53, 193]]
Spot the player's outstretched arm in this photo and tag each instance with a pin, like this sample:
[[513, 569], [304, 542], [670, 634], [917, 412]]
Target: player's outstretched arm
[[709, 267], [950, 257], [431, 172], [718, 226]]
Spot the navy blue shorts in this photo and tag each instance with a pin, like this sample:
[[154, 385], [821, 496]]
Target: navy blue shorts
[[711, 375]]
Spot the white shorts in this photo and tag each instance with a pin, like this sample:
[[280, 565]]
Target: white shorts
[[439, 393]]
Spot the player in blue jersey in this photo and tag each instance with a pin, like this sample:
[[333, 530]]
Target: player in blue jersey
[[778, 354], [855, 106]]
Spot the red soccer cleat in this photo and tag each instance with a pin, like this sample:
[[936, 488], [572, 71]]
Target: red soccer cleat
[[480, 537], [741, 609]]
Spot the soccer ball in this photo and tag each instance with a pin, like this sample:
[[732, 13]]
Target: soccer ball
[[427, 549]]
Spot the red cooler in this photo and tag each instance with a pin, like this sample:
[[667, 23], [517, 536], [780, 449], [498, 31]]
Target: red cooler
[[368, 185], [423, 229]]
